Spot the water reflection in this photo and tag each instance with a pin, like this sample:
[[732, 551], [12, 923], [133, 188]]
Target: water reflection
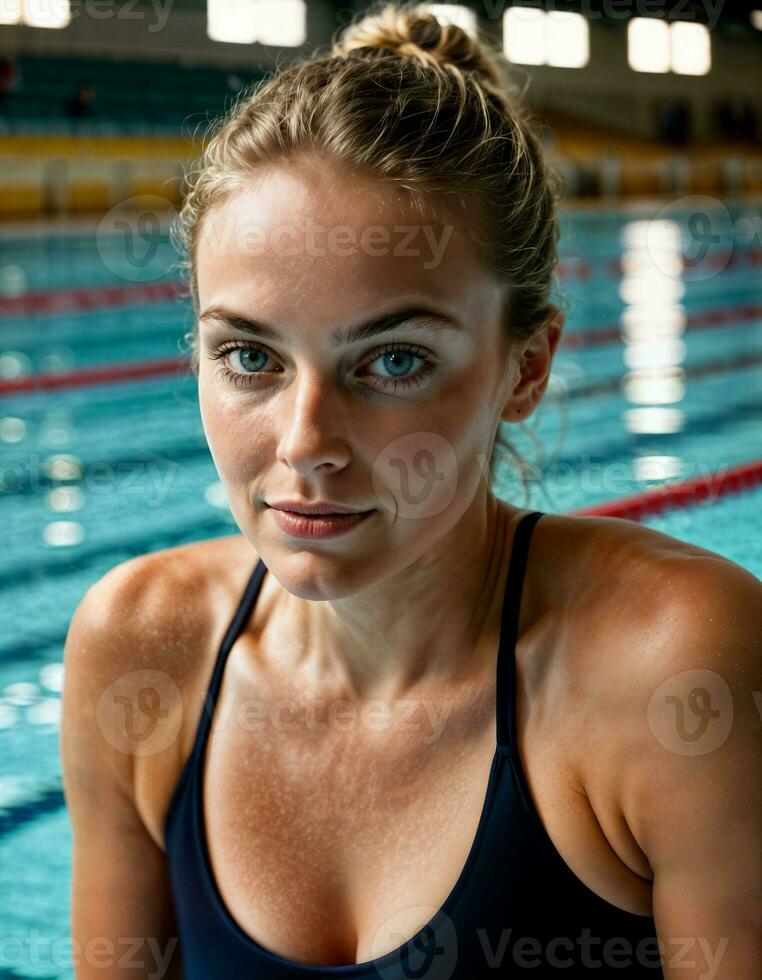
[[652, 326]]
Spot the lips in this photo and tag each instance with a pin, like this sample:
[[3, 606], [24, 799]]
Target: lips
[[316, 509], [317, 526]]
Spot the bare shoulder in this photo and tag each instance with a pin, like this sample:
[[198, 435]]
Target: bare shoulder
[[612, 566], [154, 608], [137, 651], [633, 598], [161, 612], [660, 637], [659, 606]]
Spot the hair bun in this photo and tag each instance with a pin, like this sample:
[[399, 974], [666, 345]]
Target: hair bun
[[425, 31], [412, 32]]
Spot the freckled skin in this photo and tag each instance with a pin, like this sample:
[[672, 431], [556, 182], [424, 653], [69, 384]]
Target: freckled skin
[[402, 603], [318, 838], [314, 426]]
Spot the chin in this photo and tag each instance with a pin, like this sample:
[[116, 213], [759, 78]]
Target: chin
[[322, 577]]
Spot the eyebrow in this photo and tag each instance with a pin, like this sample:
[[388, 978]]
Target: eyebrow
[[343, 335]]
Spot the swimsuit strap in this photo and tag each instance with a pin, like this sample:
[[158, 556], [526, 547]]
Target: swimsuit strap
[[506, 658], [506, 664], [241, 615]]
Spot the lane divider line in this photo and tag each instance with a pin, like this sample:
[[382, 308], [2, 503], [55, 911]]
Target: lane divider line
[[678, 494], [125, 371]]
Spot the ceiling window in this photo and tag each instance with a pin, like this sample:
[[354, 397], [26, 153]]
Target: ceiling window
[[280, 23], [36, 13], [538, 37], [656, 46]]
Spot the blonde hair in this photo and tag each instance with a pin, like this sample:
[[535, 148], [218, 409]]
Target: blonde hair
[[416, 103]]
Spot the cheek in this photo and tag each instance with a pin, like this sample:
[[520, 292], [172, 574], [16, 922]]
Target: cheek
[[465, 412], [235, 435], [466, 420], [214, 412], [432, 457]]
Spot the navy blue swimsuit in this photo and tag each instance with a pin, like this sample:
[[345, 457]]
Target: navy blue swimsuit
[[516, 906]]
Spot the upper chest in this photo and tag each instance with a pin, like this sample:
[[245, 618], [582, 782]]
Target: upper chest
[[329, 840]]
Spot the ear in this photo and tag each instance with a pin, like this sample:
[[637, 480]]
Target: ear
[[535, 359]]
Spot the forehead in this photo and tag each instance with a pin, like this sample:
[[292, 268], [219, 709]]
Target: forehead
[[308, 237]]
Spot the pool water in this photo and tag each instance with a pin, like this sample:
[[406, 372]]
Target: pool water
[[658, 379]]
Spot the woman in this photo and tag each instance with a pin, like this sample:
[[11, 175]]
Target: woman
[[436, 751]]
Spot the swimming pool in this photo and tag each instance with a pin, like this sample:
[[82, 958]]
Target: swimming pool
[[657, 383]]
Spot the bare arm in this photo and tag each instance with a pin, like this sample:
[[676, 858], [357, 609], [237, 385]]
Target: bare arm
[[123, 923], [693, 793]]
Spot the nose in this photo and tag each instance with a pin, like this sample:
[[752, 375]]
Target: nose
[[313, 425]]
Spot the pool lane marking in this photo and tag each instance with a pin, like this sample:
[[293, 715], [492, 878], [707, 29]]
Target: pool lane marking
[[678, 494], [126, 371]]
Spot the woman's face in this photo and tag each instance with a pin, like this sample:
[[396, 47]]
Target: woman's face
[[298, 404]]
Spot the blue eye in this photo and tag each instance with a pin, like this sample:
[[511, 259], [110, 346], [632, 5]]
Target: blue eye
[[250, 354], [236, 377], [395, 357]]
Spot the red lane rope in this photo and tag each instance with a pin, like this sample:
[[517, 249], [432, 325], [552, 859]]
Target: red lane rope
[[678, 494], [720, 260], [575, 268], [87, 298], [51, 381], [595, 337], [720, 317]]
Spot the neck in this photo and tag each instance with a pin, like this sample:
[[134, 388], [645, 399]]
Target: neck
[[419, 628]]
